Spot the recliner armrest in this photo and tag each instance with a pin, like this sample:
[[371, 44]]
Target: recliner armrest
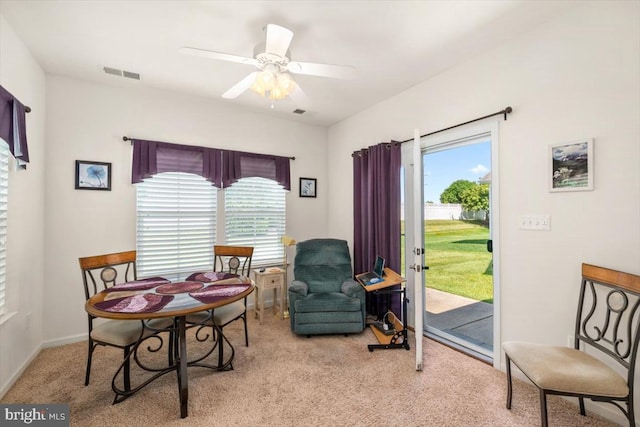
[[352, 288], [299, 287]]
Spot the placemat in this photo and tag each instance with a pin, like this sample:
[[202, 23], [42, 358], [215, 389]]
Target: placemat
[[211, 276], [214, 293], [146, 303], [138, 285]]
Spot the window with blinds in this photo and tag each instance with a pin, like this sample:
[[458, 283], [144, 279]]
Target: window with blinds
[[4, 189], [176, 225], [255, 215]]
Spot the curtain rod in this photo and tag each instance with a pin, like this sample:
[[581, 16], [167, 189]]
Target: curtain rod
[[27, 109], [126, 138], [507, 110]]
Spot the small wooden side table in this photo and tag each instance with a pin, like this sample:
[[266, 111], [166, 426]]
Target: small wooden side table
[[271, 278], [400, 338]]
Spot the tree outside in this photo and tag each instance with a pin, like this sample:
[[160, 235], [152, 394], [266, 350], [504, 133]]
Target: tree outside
[[453, 193], [476, 198], [472, 196]]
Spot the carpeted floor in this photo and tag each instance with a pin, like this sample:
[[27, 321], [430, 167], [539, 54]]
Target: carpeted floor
[[285, 380]]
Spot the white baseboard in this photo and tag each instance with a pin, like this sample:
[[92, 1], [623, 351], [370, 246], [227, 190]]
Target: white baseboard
[[5, 387], [65, 340], [606, 410], [45, 344]]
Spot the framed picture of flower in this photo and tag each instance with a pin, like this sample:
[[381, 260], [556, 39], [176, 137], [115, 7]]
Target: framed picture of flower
[[93, 175], [308, 187]]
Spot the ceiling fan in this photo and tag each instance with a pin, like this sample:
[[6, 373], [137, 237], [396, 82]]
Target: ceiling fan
[[273, 60]]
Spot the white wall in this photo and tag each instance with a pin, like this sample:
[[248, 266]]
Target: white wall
[[87, 121], [574, 77], [21, 334]]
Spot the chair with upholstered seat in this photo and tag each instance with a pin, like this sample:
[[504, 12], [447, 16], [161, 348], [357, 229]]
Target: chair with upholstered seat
[[607, 326], [232, 260], [324, 298], [101, 272]]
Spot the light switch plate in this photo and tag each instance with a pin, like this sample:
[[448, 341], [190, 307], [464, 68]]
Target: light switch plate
[[535, 222]]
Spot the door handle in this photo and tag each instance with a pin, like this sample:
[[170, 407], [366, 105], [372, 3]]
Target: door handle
[[416, 267], [490, 246]]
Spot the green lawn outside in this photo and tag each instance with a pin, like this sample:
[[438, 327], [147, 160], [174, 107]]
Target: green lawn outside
[[456, 253]]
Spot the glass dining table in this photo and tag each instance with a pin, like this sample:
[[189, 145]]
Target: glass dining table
[[153, 302]]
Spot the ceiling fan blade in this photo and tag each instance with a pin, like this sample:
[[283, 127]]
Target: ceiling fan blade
[[241, 86], [217, 55], [322, 70], [278, 40]]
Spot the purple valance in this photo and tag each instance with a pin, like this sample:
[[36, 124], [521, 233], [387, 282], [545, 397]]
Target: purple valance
[[152, 157], [238, 164], [13, 126], [221, 167]]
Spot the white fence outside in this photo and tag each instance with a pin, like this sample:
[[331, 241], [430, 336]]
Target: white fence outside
[[450, 211]]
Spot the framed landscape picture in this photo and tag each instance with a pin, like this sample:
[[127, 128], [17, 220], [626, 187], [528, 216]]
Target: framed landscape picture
[[307, 187], [93, 175], [571, 166]]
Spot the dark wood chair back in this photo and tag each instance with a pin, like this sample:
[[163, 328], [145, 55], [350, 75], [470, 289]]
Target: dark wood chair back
[[102, 271], [608, 316], [232, 259]]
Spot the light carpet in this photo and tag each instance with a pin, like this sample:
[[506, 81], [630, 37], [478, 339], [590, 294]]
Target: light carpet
[[286, 380]]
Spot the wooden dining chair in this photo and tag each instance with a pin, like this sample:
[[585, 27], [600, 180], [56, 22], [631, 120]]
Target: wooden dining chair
[[233, 260], [607, 335], [98, 273]]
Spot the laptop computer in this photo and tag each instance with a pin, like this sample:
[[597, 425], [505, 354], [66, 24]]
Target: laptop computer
[[374, 276]]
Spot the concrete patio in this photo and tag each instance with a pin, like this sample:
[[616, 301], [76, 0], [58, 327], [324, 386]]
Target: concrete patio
[[462, 317]]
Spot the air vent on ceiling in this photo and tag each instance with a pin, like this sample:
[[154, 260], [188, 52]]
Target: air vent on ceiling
[[131, 75], [112, 71], [121, 73], [299, 111]]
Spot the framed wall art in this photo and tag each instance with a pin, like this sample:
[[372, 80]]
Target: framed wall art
[[571, 166], [308, 187], [93, 175]]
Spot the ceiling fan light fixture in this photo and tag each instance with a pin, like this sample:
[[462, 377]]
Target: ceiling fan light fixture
[[273, 85], [262, 83]]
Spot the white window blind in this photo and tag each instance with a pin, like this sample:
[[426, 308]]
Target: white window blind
[[255, 215], [4, 189], [176, 224]]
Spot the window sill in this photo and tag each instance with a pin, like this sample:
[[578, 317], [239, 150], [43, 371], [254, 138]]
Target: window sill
[[266, 265], [5, 317]]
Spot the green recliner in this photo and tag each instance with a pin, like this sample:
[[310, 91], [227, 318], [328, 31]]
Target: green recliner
[[324, 298]]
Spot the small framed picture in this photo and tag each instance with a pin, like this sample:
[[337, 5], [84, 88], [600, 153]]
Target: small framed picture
[[93, 175], [308, 187], [571, 166]]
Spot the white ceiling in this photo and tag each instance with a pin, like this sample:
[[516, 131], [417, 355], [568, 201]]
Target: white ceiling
[[392, 44]]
